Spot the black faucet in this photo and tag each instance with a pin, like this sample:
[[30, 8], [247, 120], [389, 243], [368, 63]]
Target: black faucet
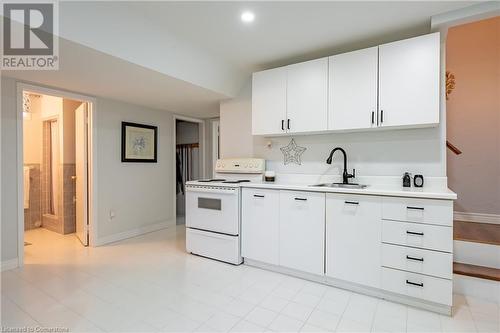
[[345, 175]]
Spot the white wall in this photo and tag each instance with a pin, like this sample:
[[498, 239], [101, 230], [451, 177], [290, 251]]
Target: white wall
[[236, 125], [139, 193], [9, 170], [376, 153]]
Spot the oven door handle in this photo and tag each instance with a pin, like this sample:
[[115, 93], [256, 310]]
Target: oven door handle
[[230, 191]]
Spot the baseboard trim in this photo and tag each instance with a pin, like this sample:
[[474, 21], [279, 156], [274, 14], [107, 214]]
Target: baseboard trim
[[9, 264], [369, 291], [477, 217], [134, 232], [480, 288]]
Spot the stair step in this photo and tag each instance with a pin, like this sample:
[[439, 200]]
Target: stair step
[[485, 233], [477, 271]]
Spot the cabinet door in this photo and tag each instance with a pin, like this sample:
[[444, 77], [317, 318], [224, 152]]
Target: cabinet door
[[353, 238], [307, 96], [302, 230], [353, 90], [409, 81], [260, 225], [269, 101]]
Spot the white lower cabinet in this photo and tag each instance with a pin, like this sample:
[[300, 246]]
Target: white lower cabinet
[[359, 240], [435, 263], [302, 231], [420, 286], [353, 244], [260, 223]]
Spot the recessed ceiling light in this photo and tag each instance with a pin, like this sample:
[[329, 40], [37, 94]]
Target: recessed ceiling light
[[247, 17]]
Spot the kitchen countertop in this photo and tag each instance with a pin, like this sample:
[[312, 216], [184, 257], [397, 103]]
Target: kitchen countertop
[[376, 189]]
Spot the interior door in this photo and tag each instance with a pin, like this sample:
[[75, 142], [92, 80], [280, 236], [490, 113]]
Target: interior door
[[81, 187]]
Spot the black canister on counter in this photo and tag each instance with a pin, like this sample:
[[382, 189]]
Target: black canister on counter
[[406, 180]]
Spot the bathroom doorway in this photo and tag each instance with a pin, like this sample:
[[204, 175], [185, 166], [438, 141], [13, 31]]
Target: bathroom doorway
[[56, 178]]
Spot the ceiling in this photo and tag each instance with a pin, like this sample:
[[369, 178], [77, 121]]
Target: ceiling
[[285, 32], [185, 57], [87, 71]]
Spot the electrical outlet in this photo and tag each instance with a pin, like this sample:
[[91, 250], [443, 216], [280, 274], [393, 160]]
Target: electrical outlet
[[112, 214]]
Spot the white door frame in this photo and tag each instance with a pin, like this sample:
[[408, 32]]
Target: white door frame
[[215, 143], [92, 161], [202, 150]]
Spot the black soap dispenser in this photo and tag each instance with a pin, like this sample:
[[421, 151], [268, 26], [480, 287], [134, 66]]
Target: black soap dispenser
[[406, 180]]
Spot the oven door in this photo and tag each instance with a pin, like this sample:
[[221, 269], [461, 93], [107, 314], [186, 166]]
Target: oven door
[[213, 209]]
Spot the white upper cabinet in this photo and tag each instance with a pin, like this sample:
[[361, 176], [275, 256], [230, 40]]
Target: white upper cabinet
[[391, 85], [307, 96], [409, 81], [353, 90], [269, 101]]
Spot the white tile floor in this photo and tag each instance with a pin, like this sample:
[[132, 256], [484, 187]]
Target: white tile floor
[[149, 284]]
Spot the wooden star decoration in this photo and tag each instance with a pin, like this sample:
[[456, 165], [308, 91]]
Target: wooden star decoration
[[292, 153]]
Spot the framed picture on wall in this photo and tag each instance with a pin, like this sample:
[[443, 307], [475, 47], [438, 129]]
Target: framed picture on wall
[[139, 143]]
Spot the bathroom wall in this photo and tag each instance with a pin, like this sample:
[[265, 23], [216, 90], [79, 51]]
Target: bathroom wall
[[32, 154]]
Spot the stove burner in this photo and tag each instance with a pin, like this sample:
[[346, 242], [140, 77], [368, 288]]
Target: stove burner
[[236, 181], [210, 180]]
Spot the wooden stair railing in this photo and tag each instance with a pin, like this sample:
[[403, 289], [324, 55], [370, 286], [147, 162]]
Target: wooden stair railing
[[453, 148]]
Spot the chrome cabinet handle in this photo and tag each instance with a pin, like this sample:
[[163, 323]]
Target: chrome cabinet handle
[[413, 258], [414, 233]]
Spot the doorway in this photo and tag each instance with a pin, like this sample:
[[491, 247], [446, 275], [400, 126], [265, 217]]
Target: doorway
[[189, 160], [55, 179]]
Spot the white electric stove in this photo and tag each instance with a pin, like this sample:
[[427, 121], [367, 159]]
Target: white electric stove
[[213, 209]]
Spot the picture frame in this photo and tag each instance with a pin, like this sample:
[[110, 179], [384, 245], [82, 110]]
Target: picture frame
[[139, 143]]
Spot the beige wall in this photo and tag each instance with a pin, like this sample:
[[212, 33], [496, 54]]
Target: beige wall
[[68, 111], [473, 121], [32, 134]]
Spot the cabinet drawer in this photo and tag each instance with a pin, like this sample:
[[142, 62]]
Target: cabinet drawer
[[420, 286], [418, 210], [419, 235], [428, 262]]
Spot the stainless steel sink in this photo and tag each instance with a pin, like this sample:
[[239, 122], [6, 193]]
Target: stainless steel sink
[[341, 185]]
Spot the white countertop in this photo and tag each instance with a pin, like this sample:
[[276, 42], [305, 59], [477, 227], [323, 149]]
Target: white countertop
[[374, 189]]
